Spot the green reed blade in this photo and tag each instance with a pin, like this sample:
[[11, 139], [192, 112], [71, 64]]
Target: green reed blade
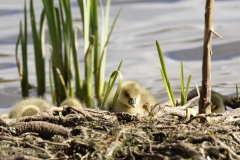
[[54, 28], [79, 90], [95, 33], [111, 82], [118, 73], [102, 63], [62, 81], [119, 83], [88, 72], [167, 88], [187, 87], [164, 75], [51, 82], [42, 33], [112, 27], [86, 31], [197, 90], [16, 54], [23, 35], [183, 99], [39, 55], [66, 19], [80, 30], [80, 4]]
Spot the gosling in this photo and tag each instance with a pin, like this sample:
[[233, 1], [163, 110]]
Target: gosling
[[29, 107], [219, 101], [131, 99], [72, 102]]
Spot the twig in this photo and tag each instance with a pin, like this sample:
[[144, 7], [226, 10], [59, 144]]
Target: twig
[[84, 113], [235, 137], [227, 148], [114, 145], [131, 153], [215, 33], [163, 111], [85, 156], [10, 138]]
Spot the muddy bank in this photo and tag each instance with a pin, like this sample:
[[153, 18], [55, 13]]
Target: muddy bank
[[70, 133]]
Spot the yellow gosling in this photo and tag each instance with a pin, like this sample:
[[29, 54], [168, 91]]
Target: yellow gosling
[[30, 110], [28, 107], [72, 102], [131, 99], [219, 101], [5, 116], [218, 104]]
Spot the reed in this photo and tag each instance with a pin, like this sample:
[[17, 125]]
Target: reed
[[165, 76], [111, 82], [163, 71], [184, 94], [23, 71], [64, 65], [89, 14], [102, 61], [38, 41], [55, 36]]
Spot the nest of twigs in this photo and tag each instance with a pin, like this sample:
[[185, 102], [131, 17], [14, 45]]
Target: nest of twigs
[[70, 133]]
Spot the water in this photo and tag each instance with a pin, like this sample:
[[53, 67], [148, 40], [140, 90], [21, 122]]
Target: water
[[178, 26]]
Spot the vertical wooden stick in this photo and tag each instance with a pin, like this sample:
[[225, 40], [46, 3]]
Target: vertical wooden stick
[[205, 96]]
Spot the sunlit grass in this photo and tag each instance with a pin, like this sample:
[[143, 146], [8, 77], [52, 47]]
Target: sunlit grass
[[165, 76], [55, 36], [184, 95], [163, 71], [111, 82], [23, 69], [38, 40]]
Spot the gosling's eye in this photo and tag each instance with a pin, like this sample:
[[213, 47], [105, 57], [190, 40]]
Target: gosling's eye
[[126, 94]]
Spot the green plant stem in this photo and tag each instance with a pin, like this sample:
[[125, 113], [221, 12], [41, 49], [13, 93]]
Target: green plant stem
[[23, 35], [164, 75], [53, 19], [38, 50], [101, 73], [88, 73], [111, 82]]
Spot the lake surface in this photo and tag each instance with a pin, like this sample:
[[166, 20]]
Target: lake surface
[[178, 25]]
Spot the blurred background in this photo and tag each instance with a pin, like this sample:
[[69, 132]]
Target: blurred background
[[178, 25]]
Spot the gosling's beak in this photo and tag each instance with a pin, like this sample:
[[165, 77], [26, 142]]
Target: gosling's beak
[[132, 102]]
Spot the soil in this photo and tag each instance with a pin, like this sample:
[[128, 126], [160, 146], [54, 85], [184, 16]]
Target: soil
[[71, 133]]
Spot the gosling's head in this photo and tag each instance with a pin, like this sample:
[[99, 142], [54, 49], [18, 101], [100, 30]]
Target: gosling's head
[[72, 102], [130, 93], [5, 116], [30, 110]]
